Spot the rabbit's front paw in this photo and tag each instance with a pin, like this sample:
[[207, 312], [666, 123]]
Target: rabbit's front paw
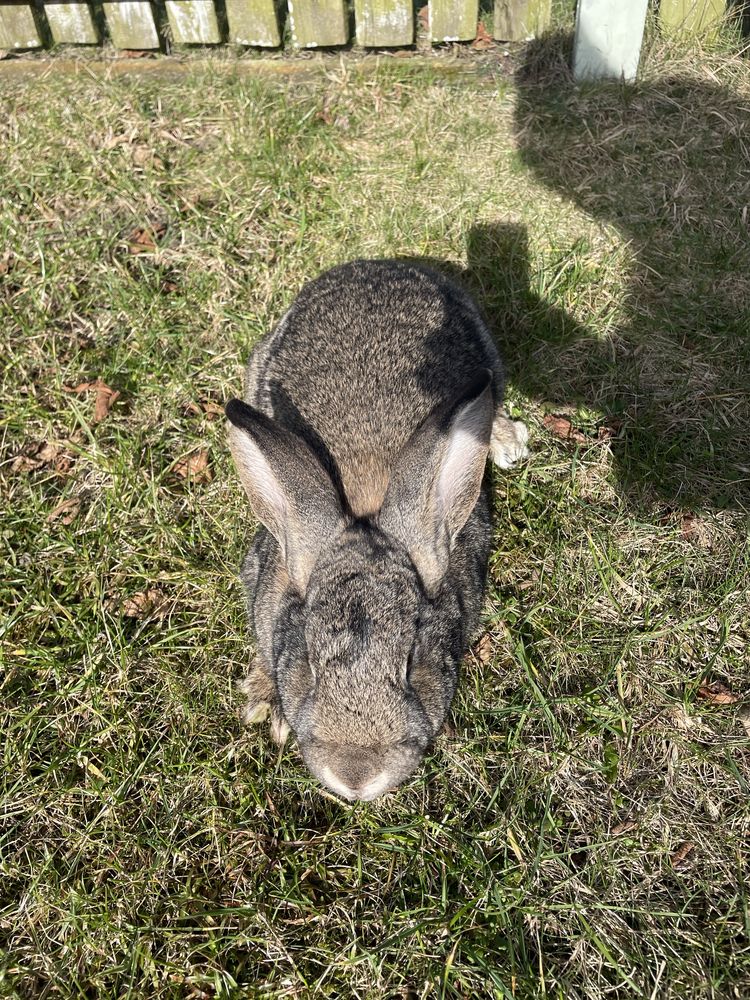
[[262, 700], [508, 443]]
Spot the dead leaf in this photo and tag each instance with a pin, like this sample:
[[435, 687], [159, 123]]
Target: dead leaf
[[608, 430], [717, 693], [45, 455], [689, 527], [105, 396], [63, 463], [81, 387], [194, 466], [625, 827], [114, 140], [7, 261], [562, 428], [143, 156], [744, 717], [25, 463], [48, 452], [483, 39], [145, 238], [682, 853], [483, 649], [149, 603], [136, 54], [205, 407], [424, 17], [212, 409], [66, 512]]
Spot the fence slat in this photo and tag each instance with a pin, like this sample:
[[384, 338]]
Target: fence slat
[[131, 24], [193, 22], [608, 39], [518, 20], [384, 23], [318, 22], [453, 20], [692, 16], [253, 22], [71, 23], [18, 28]]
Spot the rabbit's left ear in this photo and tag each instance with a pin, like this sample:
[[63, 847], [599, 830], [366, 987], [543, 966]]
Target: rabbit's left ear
[[436, 480], [290, 492]]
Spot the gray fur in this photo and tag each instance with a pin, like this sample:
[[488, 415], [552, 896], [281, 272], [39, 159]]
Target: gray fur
[[371, 410]]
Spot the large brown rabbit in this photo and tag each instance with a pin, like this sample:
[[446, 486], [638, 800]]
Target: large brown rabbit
[[369, 414]]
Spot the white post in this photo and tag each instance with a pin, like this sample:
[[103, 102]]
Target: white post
[[608, 39]]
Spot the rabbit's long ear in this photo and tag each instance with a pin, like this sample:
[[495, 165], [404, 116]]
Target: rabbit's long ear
[[289, 490], [436, 480]]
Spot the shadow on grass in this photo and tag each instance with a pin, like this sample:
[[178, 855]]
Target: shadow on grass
[[666, 163]]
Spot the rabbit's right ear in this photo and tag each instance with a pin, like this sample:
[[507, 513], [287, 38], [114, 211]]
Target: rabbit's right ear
[[289, 490]]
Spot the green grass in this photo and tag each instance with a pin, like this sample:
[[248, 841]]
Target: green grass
[[149, 846]]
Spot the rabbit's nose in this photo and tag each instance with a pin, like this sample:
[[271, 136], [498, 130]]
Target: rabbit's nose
[[357, 783]]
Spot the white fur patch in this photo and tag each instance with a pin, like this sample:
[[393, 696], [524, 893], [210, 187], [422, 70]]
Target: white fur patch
[[371, 790], [508, 443]]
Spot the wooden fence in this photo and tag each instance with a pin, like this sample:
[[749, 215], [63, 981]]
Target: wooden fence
[[608, 32]]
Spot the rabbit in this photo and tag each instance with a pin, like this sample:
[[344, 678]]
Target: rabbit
[[362, 442]]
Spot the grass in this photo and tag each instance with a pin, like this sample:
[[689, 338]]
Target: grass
[[581, 829]]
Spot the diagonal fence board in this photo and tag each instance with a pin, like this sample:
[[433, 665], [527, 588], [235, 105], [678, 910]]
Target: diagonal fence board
[[318, 23], [18, 29], [520, 20], [131, 24], [253, 22], [384, 23], [453, 20], [71, 23], [695, 17], [608, 39], [193, 22]]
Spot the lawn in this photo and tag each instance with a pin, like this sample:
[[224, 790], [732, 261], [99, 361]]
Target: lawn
[[581, 828]]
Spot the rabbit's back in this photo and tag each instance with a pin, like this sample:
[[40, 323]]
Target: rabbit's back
[[365, 353]]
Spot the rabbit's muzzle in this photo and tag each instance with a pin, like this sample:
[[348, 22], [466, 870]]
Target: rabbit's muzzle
[[361, 773]]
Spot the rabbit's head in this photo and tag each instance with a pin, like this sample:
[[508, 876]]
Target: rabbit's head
[[361, 680]]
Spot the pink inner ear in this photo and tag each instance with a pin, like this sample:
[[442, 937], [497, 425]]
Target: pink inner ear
[[462, 464], [261, 485]]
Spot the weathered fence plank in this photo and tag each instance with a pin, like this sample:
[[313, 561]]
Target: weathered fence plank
[[384, 23], [518, 20], [71, 23], [318, 23], [695, 17], [608, 39], [253, 22], [193, 22], [18, 28], [453, 20], [131, 24]]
